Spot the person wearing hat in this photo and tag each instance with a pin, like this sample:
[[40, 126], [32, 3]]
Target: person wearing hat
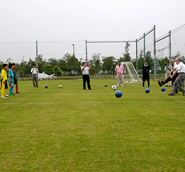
[[180, 69]]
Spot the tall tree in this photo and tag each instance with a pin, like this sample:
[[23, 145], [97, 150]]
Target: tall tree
[[62, 65], [140, 61], [72, 64], [57, 71], [53, 62], [150, 59], [95, 63], [41, 63], [108, 64], [48, 69]]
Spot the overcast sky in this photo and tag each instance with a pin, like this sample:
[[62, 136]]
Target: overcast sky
[[70, 20]]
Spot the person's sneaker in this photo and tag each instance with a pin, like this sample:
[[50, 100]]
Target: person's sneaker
[[159, 83], [3, 97], [166, 85], [12, 94], [171, 94], [184, 94], [6, 95], [17, 92]]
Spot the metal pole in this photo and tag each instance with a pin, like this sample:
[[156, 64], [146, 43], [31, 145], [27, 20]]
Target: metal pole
[[37, 56], [170, 46], [144, 45], [136, 57], [86, 50], [73, 49], [155, 65]]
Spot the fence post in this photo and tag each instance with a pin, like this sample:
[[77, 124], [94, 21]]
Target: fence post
[[136, 57], [170, 46], [144, 45], [155, 65], [37, 56], [86, 50]]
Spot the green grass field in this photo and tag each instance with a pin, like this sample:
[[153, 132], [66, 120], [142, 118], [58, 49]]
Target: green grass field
[[70, 129]]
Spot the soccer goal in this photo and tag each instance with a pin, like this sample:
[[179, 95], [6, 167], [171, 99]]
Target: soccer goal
[[130, 74]]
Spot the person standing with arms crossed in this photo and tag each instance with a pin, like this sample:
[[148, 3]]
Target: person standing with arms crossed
[[85, 72], [34, 72], [119, 73]]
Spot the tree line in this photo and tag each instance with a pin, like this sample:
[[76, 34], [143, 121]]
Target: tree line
[[70, 65]]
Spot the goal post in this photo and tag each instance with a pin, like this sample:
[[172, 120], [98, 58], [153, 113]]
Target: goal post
[[130, 74]]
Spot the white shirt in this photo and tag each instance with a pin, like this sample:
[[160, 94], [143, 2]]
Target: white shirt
[[175, 65], [34, 71], [181, 67], [85, 71]]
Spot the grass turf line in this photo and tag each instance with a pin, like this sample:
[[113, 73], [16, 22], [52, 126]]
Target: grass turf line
[[69, 129]]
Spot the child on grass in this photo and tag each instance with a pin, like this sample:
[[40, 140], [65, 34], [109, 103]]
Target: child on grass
[[11, 80], [4, 84], [15, 78]]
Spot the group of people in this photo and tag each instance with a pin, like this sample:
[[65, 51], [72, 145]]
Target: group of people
[[176, 75], [119, 74], [8, 80]]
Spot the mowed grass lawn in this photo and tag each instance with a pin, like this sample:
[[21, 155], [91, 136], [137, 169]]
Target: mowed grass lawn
[[70, 129]]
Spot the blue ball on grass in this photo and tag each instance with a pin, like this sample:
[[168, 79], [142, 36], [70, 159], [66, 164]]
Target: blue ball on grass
[[163, 89], [147, 90], [46, 86], [118, 94]]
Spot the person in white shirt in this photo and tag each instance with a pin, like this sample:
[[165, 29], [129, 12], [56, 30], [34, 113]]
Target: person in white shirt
[[168, 69], [180, 69], [34, 72], [173, 62], [85, 72]]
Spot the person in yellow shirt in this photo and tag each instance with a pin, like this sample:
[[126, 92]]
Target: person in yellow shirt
[[4, 85]]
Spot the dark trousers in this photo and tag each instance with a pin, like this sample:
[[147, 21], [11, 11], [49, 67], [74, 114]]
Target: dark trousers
[[170, 79], [86, 79], [144, 78]]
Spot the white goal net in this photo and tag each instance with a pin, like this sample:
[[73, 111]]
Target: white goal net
[[130, 74]]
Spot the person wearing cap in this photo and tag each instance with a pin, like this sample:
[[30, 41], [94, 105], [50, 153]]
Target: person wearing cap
[[85, 72], [180, 69], [119, 73]]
